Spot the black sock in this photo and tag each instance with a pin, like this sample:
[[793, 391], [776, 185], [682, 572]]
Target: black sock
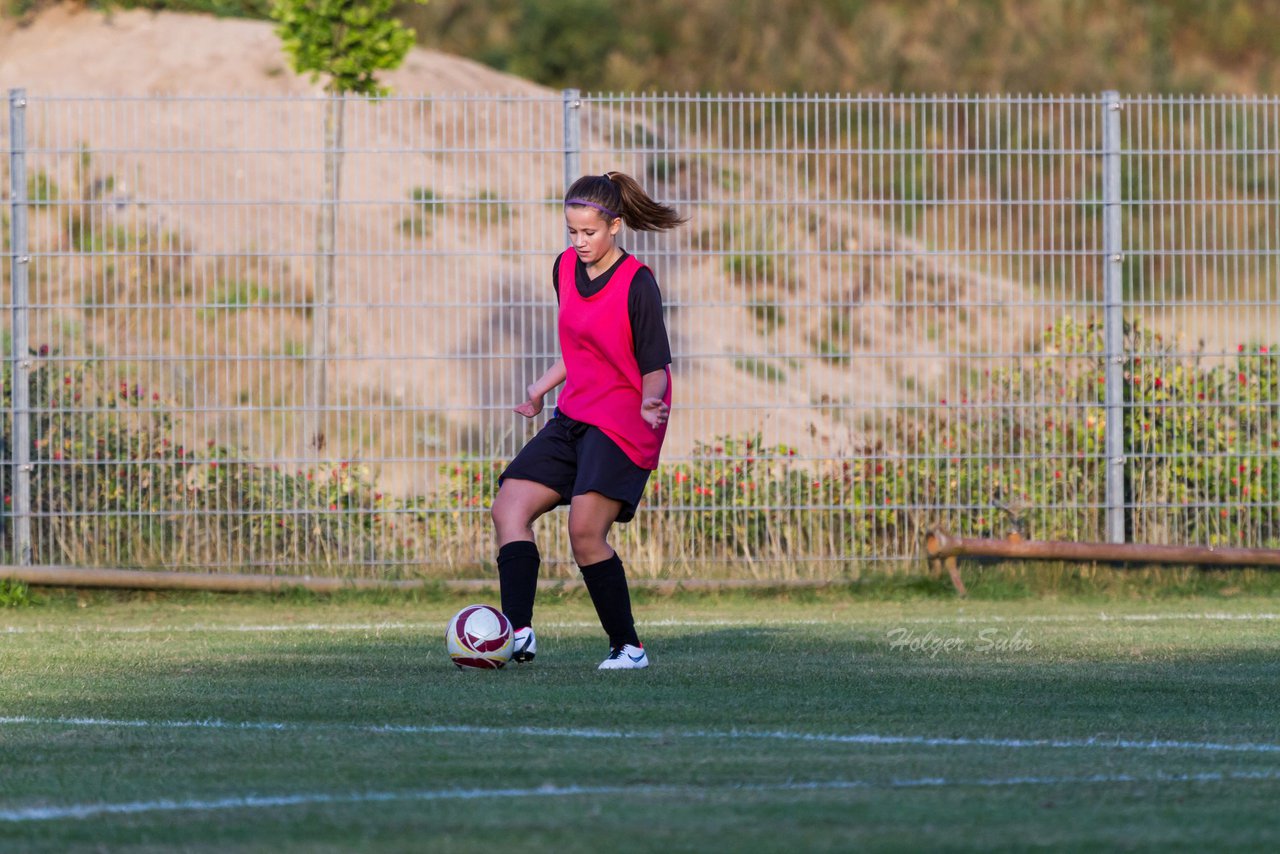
[[607, 583], [518, 564]]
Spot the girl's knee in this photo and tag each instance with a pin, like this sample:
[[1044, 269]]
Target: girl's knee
[[498, 509], [587, 544], [508, 514]]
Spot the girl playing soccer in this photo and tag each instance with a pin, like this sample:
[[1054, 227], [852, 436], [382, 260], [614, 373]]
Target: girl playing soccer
[[596, 453]]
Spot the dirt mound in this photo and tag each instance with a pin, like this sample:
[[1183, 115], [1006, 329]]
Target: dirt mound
[[75, 51], [429, 348]]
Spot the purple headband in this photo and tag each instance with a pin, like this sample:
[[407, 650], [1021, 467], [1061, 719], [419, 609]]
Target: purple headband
[[600, 208]]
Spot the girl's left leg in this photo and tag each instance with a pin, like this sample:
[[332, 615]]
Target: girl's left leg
[[590, 517]]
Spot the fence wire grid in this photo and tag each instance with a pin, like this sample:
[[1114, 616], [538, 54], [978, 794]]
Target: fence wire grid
[[237, 340]]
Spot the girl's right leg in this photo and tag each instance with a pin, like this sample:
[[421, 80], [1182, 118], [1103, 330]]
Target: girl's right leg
[[515, 508]]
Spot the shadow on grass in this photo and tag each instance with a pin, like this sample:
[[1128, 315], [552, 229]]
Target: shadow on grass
[[954, 679]]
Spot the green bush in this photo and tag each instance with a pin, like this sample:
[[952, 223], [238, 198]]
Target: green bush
[[425, 207], [113, 486], [1024, 447], [15, 594], [1199, 443]]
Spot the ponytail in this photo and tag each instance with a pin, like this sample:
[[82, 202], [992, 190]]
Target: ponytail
[[619, 196]]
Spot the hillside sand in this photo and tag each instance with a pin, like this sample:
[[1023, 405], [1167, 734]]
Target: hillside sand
[[392, 301]]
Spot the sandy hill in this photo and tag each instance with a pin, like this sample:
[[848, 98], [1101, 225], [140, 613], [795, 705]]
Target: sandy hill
[[421, 314], [74, 51]]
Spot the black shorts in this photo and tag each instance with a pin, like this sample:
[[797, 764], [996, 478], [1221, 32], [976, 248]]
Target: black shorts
[[574, 458]]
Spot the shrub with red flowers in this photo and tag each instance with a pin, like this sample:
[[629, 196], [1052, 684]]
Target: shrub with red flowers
[[1024, 445], [112, 484]]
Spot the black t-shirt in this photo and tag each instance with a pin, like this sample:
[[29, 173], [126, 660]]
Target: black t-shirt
[[644, 307]]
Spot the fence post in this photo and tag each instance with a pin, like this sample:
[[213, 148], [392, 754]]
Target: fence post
[[572, 136], [20, 356], [1113, 314]]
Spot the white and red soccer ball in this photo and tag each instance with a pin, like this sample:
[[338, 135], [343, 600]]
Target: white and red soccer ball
[[480, 637]]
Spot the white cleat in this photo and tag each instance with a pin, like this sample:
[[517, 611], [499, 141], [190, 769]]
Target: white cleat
[[625, 657], [526, 645]]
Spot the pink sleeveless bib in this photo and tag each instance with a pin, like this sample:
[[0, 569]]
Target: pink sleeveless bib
[[603, 383]]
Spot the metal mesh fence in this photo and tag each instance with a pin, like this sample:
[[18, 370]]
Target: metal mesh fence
[[886, 313]]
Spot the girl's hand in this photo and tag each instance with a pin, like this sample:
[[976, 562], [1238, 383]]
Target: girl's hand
[[532, 406], [654, 411]]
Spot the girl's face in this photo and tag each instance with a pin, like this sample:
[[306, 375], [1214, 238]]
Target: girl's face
[[591, 233]]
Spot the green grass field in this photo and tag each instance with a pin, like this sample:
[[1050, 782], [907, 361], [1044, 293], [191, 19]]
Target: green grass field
[[811, 722]]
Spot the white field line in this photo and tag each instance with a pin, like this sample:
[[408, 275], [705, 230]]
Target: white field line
[[90, 810], [731, 734], [432, 626]]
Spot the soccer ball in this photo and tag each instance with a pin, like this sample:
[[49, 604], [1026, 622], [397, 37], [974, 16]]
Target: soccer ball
[[480, 637]]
